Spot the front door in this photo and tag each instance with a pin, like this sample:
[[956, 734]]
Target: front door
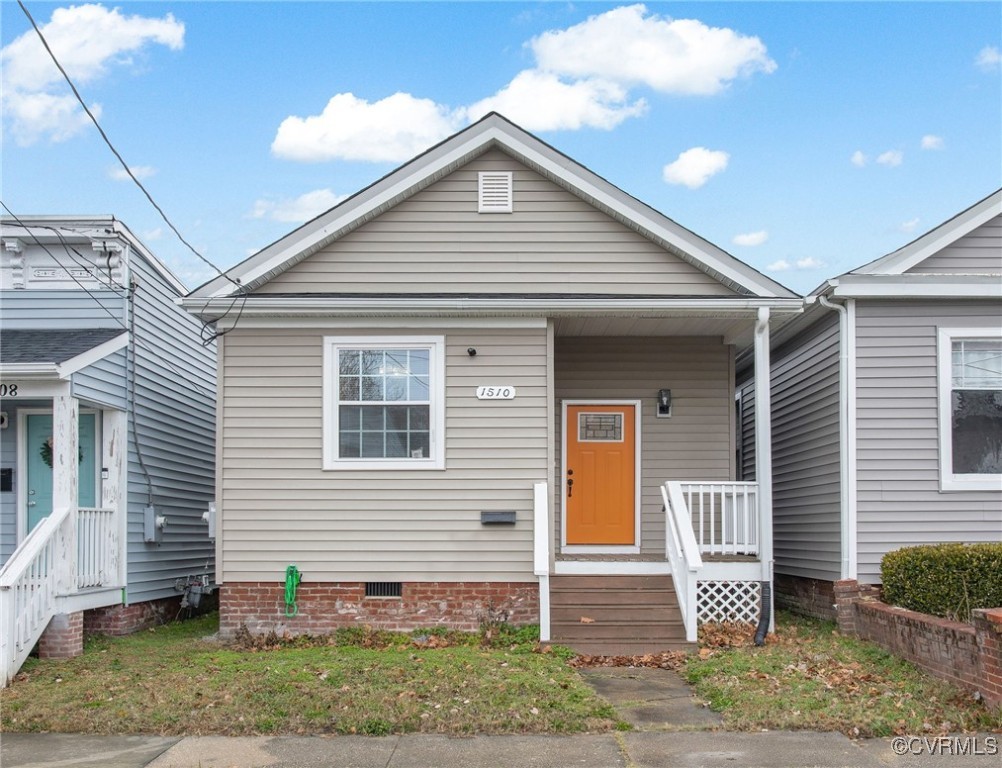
[[600, 486], [39, 470]]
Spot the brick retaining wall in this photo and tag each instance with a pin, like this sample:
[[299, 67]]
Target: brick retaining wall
[[967, 655], [324, 606], [808, 597]]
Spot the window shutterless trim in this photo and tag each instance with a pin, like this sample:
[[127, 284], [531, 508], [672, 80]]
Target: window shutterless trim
[[331, 401], [948, 481]]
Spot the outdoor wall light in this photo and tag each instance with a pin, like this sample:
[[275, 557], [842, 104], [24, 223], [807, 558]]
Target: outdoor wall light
[[471, 351], [664, 403]]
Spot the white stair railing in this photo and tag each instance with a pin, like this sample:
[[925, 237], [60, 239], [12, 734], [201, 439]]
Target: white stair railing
[[683, 554], [41, 569], [724, 516]]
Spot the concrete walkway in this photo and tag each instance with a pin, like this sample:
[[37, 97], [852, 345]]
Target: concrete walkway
[[634, 749]]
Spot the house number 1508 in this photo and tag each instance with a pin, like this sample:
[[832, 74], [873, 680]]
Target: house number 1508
[[495, 393]]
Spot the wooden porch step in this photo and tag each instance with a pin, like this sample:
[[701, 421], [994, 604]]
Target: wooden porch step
[[616, 615]]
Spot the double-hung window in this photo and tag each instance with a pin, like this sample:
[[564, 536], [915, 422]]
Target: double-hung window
[[384, 402], [970, 408]]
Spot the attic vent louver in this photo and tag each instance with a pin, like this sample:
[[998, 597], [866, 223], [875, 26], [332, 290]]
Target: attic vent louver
[[495, 192]]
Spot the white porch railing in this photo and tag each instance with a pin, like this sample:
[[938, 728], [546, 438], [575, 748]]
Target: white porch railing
[[30, 583], [724, 516], [97, 548], [683, 555], [65, 553]]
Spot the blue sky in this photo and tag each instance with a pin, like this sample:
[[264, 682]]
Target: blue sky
[[804, 138]]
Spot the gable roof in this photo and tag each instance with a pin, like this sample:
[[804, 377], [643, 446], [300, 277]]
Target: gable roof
[[492, 131], [935, 240], [889, 276]]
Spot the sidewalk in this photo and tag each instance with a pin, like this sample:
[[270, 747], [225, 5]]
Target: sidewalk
[[633, 749]]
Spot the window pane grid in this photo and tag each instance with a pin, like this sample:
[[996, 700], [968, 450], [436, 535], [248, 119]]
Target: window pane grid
[[977, 364], [384, 406]]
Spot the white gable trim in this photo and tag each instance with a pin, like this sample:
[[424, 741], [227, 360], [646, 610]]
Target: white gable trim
[[917, 286], [451, 154], [935, 240]]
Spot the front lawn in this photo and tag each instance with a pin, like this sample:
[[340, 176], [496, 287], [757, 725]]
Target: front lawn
[[173, 681], [809, 676]]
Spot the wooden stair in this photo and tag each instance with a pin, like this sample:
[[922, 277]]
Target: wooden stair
[[616, 615]]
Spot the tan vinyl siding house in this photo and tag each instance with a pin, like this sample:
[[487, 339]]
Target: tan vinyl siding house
[[394, 385], [869, 372]]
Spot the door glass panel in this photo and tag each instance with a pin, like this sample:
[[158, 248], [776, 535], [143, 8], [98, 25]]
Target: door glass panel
[[600, 427]]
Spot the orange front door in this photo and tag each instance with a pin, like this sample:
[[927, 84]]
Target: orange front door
[[600, 481]]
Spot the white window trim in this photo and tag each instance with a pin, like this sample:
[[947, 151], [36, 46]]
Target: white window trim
[[436, 417], [948, 481]]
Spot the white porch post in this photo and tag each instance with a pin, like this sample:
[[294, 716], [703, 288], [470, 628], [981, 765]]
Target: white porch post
[[65, 480], [763, 445], [541, 554], [114, 479]]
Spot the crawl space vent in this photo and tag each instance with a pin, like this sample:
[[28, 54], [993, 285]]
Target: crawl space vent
[[495, 192], [384, 589]]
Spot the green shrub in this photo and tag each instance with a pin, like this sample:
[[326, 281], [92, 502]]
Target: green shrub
[[948, 580]]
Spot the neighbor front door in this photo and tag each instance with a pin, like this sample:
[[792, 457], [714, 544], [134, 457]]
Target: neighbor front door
[[600, 482], [39, 472]]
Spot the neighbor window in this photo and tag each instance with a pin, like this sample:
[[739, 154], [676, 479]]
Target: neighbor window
[[384, 403], [970, 408]]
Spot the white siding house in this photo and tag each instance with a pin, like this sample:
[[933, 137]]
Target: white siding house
[[396, 388], [893, 381], [107, 397]]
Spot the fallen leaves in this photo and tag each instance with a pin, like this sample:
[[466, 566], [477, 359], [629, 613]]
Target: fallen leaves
[[664, 660]]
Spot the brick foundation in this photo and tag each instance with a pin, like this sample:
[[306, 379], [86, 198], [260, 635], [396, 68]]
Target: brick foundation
[[120, 620], [808, 597], [325, 606], [63, 638]]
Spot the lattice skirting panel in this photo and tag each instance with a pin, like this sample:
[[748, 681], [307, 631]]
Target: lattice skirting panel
[[727, 601]]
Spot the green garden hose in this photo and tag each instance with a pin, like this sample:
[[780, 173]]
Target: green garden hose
[[292, 579]]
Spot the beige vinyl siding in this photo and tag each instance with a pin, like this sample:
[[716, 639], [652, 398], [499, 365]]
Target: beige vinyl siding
[[805, 453], [278, 507], [979, 252], [436, 242], [899, 501], [696, 443]]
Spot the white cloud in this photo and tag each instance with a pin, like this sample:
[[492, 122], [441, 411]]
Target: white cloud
[[988, 59], [929, 141], [909, 226], [695, 166], [625, 45], [891, 158], [582, 77], [88, 40], [858, 159], [779, 266], [152, 234], [751, 238], [296, 210], [540, 101], [139, 171], [809, 262], [390, 130]]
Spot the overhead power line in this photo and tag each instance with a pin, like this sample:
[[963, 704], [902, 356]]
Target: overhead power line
[[115, 152]]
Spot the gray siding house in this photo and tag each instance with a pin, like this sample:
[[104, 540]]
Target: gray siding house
[[490, 383], [887, 410], [107, 433]]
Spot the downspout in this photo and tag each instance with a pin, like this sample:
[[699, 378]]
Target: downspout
[[763, 466], [847, 431]]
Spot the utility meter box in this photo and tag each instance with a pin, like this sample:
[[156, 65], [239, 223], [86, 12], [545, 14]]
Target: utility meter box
[[153, 525]]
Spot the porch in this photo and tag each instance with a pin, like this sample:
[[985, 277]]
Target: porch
[[64, 510]]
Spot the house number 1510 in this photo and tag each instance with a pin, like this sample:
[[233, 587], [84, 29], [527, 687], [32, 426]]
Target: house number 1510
[[495, 393]]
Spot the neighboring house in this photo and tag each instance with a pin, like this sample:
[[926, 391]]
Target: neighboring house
[[887, 411], [108, 427], [396, 381]]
